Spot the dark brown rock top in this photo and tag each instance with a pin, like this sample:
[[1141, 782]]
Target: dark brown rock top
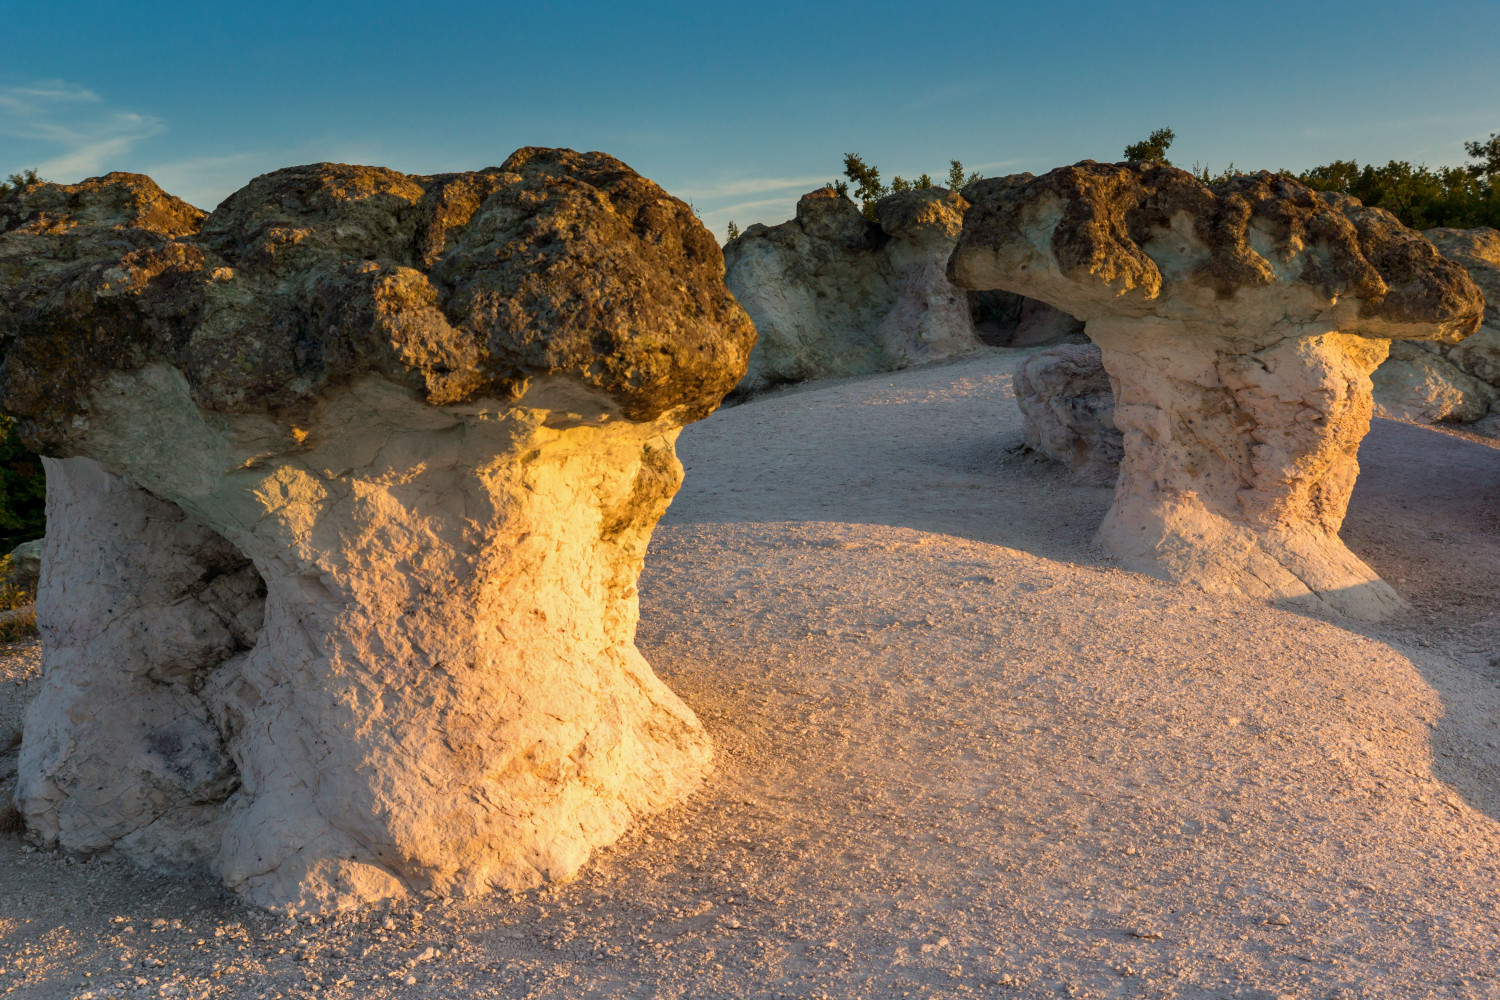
[[1107, 227], [462, 285]]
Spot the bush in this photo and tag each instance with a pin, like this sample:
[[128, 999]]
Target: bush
[[1153, 148], [23, 490]]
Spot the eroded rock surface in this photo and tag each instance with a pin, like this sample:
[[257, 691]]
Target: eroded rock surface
[[1239, 326], [1459, 383], [384, 453], [833, 293], [1068, 409]]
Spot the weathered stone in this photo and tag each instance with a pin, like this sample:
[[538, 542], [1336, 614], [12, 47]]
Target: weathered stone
[[25, 566], [1239, 326], [1068, 410], [832, 293], [1423, 386], [348, 495]]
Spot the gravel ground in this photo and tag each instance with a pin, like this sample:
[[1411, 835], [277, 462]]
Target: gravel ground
[[960, 755]]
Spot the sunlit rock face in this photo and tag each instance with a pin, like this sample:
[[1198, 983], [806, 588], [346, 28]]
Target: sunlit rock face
[[833, 293], [351, 484], [1239, 327]]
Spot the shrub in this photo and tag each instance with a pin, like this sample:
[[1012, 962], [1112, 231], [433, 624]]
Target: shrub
[[732, 231]]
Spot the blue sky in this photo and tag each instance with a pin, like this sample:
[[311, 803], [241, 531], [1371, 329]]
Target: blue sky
[[738, 108]]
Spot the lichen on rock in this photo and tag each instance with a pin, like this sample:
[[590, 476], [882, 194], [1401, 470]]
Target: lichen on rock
[[430, 422], [1239, 326]]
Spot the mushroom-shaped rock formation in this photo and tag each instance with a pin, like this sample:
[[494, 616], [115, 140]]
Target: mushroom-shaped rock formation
[[1068, 410], [349, 484], [1239, 326], [833, 293]]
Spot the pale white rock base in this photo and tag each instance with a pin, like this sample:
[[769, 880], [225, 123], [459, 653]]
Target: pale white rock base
[[444, 695], [1240, 456]]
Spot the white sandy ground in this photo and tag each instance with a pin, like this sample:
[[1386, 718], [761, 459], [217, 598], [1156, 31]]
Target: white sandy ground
[[960, 755]]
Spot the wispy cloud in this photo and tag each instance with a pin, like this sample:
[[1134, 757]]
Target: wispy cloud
[[81, 133], [751, 185], [950, 94]]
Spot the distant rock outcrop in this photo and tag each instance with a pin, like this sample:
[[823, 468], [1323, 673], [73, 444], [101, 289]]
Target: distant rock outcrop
[[1239, 326], [832, 293], [348, 489]]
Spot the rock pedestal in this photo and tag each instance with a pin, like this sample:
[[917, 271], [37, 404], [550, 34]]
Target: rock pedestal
[[343, 543], [1239, 327]]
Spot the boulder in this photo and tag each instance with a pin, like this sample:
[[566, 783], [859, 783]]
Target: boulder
[[1239, 326], [25, 566], [1067, 408], [349, 484], [833, 293]]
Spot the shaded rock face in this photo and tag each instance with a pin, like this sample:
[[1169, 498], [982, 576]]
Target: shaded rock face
[[832, 293], [1068, 409], [348, 493], [1239, 327]]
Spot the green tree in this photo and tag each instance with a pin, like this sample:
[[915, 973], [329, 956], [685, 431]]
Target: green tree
[[1487, 152], [732, 230], [1153, 148], [23, 490], [922, 183], [866, 180]]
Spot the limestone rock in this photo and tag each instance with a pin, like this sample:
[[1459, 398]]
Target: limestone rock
[[348, 490], [1239, 326], [26, 566], [1424, 386], [1478, 252], [1068, 410], [832, 293]]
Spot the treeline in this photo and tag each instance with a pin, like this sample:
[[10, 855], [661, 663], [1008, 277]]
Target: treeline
[[1422, 197]]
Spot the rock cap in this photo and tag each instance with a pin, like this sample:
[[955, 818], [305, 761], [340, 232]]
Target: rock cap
[[1103, 240], [556, 263]]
